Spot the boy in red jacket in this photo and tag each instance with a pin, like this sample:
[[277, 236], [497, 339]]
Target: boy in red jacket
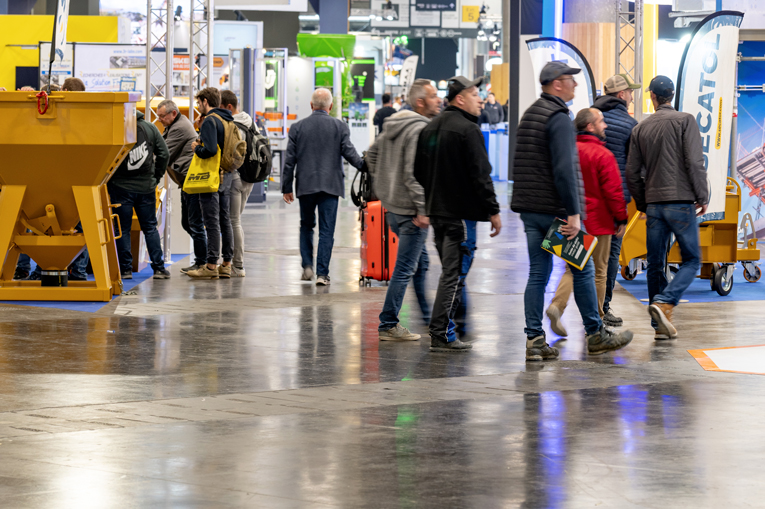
[[605, 208]]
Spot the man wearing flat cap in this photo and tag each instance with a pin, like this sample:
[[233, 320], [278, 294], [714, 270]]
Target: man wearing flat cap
[[547, 185], [667, 145], [454, 170]]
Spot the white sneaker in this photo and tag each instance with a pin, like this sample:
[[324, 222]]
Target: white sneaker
[[307, 274], [322, 280], [397, 333], [237, 272]]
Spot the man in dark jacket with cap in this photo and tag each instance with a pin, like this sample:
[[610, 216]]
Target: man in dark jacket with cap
[[548, 184], [614, 106], [668, 146], [453, 167]]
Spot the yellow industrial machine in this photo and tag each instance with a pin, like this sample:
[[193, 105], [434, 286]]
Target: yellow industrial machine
[[57, 155], [720, 246]]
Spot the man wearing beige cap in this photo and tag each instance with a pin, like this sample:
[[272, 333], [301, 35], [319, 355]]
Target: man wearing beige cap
[[615, 108]]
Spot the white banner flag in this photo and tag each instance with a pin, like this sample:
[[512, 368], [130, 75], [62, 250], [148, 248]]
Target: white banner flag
[[59, 31], [547, 49], [705, 89], [408, 71]]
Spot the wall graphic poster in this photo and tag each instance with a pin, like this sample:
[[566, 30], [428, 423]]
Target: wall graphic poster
[[750, 139], [705, 88], [62, 68], [358, 122], [111, 67], [547, 49]]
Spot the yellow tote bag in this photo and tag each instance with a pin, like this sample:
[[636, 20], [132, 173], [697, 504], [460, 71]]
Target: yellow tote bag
[[203, 175]]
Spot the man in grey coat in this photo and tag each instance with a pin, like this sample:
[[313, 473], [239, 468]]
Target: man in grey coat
[[179, 135], [315, 152], [668, 146], [391, 164]]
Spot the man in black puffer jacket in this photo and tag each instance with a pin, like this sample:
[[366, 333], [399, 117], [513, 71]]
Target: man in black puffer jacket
[[614, 106], [453, 168], [548, 184]]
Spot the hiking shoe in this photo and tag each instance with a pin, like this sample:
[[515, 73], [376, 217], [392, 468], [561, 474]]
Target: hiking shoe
[[554, 314], [607, 340], [307, 274], [162, 274], [128, 274], [236, 272], [20, 274], [439, 345], [661, 312], [659, 336], [537, 349], [34, 276], [397, 333], [322, 280], [224, 271], [75, 277], [185, 270], [203, 273], [612, 320]]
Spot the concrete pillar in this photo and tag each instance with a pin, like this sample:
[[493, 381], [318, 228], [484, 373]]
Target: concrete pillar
[[333, 18], [467, 52], [588, 11]]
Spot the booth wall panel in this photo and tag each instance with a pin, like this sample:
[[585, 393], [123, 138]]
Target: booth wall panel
[[30, 30]]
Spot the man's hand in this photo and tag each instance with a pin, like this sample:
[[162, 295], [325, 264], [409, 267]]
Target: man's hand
[[571, 229], [421, 221], [620, 231], [703, 210], [195, 144], [289, 198], [496, 225]]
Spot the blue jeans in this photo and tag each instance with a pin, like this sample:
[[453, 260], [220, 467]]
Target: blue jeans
[[78, 267], [192, 222], [145, 206], [540, 267], [327, 205], [411, 264], [613, 270], [663, 220], [456, 244], [216, 208]]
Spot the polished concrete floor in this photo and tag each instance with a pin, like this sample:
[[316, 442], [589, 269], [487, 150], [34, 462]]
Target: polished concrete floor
[[270, 392]]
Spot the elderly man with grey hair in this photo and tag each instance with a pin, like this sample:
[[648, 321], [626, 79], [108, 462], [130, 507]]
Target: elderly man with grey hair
[[179, 135], [315, 152]]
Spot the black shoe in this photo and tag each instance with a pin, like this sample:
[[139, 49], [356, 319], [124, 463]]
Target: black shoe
[[607, 340], [128, 274], [612, 320], [162, 274], [537, 349], [438, 345], [34, 276], [73, 277], [20, 274], [184, 270]]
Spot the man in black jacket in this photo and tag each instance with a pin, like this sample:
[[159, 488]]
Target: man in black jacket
[[386, 111], [548, 184], [614, 105], [454, 170], [493, 110], [134, 186], [215, 206]]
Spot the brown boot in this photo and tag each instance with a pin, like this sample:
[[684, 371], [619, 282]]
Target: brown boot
[[661, 312]]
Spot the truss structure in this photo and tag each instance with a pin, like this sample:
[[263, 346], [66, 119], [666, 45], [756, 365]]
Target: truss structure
[[201, 61], [629, 42]]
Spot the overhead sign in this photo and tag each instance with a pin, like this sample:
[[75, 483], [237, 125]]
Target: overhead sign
[[438, 33], [547, 49], [705, 89], [435, 5], [471, 13]]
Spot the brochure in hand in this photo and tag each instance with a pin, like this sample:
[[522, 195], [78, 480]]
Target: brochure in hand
[[575, 252]]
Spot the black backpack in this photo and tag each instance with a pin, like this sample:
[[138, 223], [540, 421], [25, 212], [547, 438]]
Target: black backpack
[[257, 159], [140, 159]]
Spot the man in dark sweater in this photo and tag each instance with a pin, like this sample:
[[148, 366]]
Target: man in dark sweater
[[215, 206], [315, 152], [386, 111], [614, 106], [134, 186], [493, 110], [453, 168], [548, 184]]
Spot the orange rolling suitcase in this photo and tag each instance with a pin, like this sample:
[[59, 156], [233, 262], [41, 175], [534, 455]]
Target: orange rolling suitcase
[[379, 245]]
